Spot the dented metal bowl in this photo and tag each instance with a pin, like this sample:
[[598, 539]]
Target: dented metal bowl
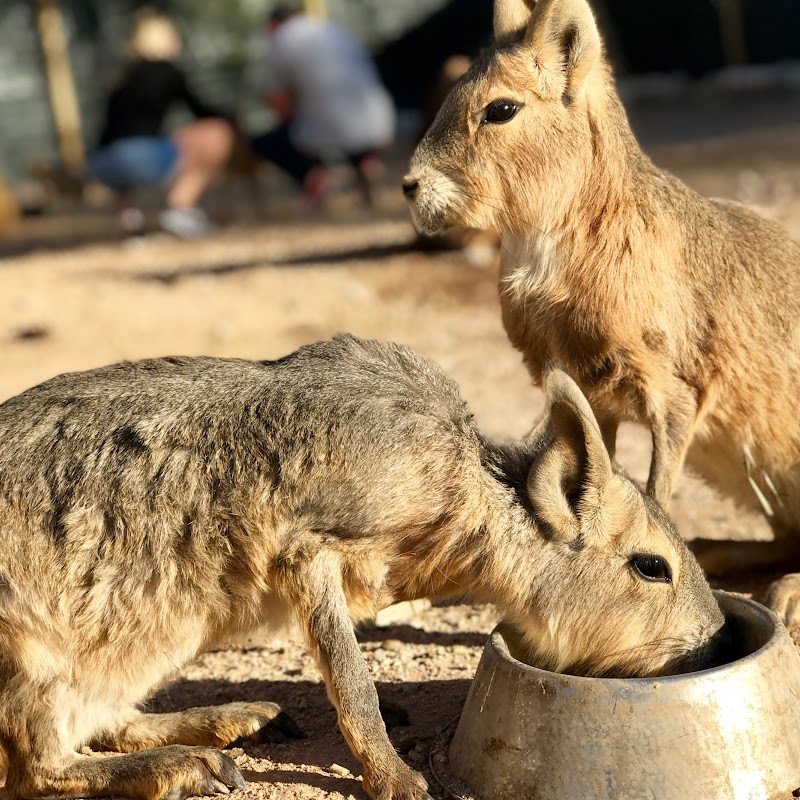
[[729, 733]]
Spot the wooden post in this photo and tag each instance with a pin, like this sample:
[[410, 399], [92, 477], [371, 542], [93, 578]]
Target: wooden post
[[9, 207], [731, 23], [60, 85], [316, 8]]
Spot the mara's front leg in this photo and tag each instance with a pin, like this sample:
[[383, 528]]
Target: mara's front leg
[[672, 423], [317, 592]]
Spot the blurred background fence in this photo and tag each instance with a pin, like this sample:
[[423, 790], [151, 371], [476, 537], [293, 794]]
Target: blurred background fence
[[410, 39]]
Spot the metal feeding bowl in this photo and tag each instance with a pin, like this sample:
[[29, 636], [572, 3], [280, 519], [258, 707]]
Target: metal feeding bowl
[[728, 733]]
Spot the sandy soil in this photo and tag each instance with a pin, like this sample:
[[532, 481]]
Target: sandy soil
[[262, 289]]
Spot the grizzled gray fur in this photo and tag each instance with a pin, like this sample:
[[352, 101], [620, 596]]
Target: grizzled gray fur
[[151, 510]]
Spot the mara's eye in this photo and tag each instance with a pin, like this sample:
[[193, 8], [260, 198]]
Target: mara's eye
[[652, 568], [500, 111]]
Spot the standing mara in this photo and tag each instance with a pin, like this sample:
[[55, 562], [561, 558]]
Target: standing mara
[[668, 308]]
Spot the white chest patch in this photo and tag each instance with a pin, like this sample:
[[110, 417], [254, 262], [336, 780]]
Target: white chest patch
[[529, 266]]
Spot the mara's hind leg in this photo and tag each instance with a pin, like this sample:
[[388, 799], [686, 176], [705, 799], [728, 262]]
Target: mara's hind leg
[[35, 723], [214, 726], [168, 773]]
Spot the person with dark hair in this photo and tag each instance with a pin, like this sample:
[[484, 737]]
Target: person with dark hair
[[133, 152], [331, 103]]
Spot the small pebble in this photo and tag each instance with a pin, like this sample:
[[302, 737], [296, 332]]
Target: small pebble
[[31, 333], [393, 644], [339, 770]]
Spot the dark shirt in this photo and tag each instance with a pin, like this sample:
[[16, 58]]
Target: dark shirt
[[139, 103]]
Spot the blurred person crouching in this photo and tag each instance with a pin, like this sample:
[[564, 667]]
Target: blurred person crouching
[[324, 87], [132, 151]]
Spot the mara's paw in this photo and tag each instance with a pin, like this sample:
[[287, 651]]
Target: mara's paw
[[261, 722], [182, 771], [784, 598], [400, 782]]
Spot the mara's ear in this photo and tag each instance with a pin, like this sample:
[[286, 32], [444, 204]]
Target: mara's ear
[[569, 476], [564, 38], [511, 20]]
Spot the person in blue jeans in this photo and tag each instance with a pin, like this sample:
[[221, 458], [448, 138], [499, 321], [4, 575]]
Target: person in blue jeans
[[331, 103], [132, 150]]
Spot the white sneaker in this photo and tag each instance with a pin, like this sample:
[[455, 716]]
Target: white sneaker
[[185, 223]]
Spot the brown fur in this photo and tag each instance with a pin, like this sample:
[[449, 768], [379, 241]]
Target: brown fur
[[480, 247], [150, 510], [668, 308]]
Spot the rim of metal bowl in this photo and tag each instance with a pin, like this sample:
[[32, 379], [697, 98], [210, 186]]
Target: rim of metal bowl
[[500, 646]]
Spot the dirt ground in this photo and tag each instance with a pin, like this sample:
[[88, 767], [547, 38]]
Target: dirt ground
[[261, 289]]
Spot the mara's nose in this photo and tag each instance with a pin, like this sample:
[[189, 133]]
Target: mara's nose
[[410, 186]]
